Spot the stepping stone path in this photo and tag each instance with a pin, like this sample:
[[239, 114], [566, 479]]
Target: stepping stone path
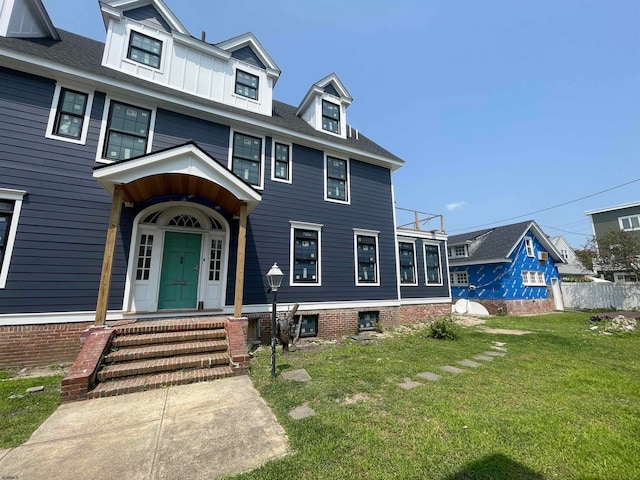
[[433, 377], [303, 411], [408, 384], [469, 363], [297, 375], [450, 369], [500, 349], [491, 353], [484, 358]]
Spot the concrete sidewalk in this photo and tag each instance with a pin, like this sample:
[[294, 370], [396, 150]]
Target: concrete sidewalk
[[205, 430]]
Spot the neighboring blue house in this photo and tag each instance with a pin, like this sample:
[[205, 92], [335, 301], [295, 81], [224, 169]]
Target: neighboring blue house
[[512, 268], [172, 153]]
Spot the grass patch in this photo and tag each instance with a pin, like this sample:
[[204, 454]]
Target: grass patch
[[21, 416], [564, 403]]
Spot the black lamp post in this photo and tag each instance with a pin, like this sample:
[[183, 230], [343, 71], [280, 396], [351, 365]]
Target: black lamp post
[[274, 276]]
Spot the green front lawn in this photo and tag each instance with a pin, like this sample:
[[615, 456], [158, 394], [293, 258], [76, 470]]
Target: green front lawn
[[564, 403]]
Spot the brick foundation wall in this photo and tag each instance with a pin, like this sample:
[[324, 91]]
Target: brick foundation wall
[[410, 314], [518, 307]]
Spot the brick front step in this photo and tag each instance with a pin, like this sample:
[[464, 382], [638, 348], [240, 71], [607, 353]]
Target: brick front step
[[160, 326], [168, 337], [167, 350], [148, 382], [155, 365]]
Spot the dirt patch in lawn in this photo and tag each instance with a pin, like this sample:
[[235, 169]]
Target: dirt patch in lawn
[[504, 331], [46, 371], [470, 321]]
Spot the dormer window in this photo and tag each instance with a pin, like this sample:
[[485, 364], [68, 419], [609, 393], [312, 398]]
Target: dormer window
[[246, 85], [330, 117], [458, 251], [145, 50]]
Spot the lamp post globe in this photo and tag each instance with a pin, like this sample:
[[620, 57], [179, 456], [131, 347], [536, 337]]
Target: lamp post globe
[[274, 277]]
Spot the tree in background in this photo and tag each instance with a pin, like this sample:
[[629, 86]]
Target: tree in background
[[615, 251]]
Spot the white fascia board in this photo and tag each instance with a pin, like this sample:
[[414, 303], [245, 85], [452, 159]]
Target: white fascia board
[[610, 209], [54, 70], [167, 14], [250, 39], [38, 10], [342, 90], [109, 13], [542, 238], [202, 46], [422, 234], [308, 98], [467, 263]]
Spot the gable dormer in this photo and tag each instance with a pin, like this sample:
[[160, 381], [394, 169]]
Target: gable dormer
[[25, 19], [324, 106], [146, 40]]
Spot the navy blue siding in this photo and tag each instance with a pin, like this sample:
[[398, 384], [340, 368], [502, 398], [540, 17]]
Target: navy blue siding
[[148, 16], [246, 54], [428, 291], [57, 256]]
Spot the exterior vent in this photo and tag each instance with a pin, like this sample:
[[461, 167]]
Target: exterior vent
[[543, 256]]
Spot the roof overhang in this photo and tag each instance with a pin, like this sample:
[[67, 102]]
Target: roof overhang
[[610, 209], [115, 9], [182, 170], [249, 39], [464, 263], [543, 239]]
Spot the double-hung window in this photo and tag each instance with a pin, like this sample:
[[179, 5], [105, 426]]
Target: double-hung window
[[281, 162], [366, 252], [70, 114], [630, 223], [144, 49], [246, 85], [127, 131], [528, 244], [407, 255], [337, 179], [10, 206], [432, 264], [246, 161], [330, 117], [305, 253]]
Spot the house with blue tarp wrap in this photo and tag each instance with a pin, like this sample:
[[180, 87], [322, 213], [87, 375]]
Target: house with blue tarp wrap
[[511, 269]]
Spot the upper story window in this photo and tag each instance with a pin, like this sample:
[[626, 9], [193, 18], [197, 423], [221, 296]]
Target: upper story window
[[281, 168], [629, 223], [10, 206], [246, 84], [337, 179], [145, 50], [246, 160], [127, 131], [305, 253], [459, 279], [564, 254], [407, 255], [528, 244], [69, 115], [458, 251], [432, 264], [366, 244], [330, 117]]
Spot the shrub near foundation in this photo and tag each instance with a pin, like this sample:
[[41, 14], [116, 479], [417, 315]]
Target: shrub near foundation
[[444, 329]]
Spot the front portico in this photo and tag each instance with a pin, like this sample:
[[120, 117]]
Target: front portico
[[180, 243]]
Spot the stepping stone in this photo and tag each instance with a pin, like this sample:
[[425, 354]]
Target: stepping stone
[[483, 358], [494, 354], [499, 344], [469, 363], [450, 369], [303, 411], [361, 338], [296, 375], [433, 377], [409, 384], [500, 349]]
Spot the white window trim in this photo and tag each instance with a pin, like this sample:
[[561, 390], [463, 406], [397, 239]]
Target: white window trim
[[54, 112], [230, 159], [341, 124], [415, 262], [620, 219], [273, 161], [164, 40], [528, 245], [366, 233], [105, 120], [348, 183], [295, 225], [452, 249], [536, 283], [622, 278], [251, 70], [424, 259], [16, 196], [453, 278]]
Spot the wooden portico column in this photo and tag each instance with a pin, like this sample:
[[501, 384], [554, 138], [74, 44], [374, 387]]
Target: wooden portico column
[[242, 243], [109, 250]]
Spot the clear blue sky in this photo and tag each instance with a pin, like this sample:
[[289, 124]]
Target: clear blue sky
[[499, 108]]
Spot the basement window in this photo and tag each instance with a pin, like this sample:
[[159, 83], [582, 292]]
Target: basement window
[[308, 328], [367, 321]]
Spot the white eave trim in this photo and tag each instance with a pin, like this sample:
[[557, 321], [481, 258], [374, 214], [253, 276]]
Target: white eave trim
[[249, 39], [201, 46], [611, 209], [38, 9], [121, 6], [466, 263], [426, 235], [56, 70]]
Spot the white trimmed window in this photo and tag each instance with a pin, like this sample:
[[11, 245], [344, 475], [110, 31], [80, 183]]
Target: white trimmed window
[[336, 179], [247, 153], [626, 278], [127, 131], [533, 278], [144, 49], [459, 279], [458, 251], [432, 267], [366, 257], [306, 242], [246, 85], [528, 244], [69, 115], [407, 259], [629, 223], [281, 162], [331, 117], [10, 206]]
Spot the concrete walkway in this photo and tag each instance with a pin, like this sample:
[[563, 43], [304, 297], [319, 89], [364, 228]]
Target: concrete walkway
[[204, 430]]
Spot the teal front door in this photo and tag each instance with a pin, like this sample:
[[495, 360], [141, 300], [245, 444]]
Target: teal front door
[[180, 271]]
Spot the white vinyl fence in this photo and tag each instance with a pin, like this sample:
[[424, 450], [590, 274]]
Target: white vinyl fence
[[601, 295]]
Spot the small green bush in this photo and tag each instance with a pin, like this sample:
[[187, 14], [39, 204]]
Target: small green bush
[[444, 329]]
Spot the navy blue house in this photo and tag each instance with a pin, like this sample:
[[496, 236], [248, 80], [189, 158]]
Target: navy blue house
[[154, 175], [512, 268]]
